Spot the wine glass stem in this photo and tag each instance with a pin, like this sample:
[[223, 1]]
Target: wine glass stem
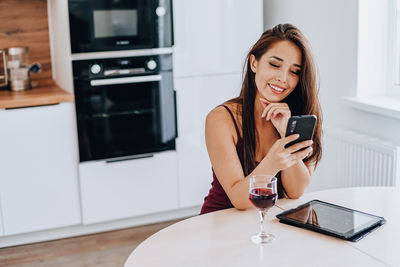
[[262, 215]]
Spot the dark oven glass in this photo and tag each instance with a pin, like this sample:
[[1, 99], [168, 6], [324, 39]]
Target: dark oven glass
[[104, 25], [124, 115]]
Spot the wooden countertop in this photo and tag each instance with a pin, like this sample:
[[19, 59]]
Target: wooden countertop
[[43, 95]]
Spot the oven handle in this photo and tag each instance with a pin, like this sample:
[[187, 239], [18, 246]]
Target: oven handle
[[138, 79]]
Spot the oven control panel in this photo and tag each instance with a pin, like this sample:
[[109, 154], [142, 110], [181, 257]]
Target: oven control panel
[[120, 67]]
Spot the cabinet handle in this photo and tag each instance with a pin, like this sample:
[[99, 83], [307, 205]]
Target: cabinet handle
[[176, 115], [36, 106], [139, 79], [141, 156]]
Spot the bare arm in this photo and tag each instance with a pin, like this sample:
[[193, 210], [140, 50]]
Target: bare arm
[[221, 146], [296, 178], [221, 139]]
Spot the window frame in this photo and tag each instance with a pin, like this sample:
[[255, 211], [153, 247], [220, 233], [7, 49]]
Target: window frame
[[397, 43], [393, 73]]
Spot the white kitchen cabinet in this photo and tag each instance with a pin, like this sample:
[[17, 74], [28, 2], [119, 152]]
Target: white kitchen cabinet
[[196, 97], [128, 188], [39, 168], [214, 37], [1, 220]]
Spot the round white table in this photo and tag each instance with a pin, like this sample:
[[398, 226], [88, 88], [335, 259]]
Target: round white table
[[222, 238]]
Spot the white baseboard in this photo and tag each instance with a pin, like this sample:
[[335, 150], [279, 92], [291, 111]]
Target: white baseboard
[[77, 230]]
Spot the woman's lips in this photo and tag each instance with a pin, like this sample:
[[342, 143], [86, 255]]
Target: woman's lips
[[276, 89]]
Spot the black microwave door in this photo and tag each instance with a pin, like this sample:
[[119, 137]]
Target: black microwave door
[[124, 24], [100, 25], [79, 25]]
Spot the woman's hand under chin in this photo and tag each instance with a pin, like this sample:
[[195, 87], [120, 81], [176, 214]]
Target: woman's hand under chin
[[277, 113]]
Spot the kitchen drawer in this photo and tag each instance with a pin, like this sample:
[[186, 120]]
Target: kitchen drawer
[[117, 190]]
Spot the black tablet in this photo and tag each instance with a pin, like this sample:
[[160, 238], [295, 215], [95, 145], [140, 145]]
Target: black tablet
[[332, 219]]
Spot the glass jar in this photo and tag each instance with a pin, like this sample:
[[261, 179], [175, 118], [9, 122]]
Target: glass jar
[[18, 67]]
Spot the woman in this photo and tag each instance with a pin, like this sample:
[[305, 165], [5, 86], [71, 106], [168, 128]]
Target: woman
[[246, 135]]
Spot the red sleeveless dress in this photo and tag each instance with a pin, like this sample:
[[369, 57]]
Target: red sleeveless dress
[[217, 199]]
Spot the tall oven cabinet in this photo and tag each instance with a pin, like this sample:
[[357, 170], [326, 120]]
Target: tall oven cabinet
[[119, 54], [212, 39]]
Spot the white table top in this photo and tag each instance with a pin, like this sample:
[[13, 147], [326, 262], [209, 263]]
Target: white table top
[[223, 238]]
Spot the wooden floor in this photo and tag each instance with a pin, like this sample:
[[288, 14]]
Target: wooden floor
[[104, 249]]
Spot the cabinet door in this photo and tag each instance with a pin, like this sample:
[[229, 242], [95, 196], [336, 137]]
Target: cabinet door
[[128, 188], [214, 37], [39, 168], [1, 220], [196, 97]]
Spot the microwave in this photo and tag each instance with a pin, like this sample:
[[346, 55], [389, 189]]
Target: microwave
[[107, 25]]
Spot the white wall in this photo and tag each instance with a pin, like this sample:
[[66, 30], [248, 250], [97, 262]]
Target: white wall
[[332, 28]]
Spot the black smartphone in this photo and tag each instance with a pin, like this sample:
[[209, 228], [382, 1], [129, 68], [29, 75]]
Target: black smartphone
[[303, 125]]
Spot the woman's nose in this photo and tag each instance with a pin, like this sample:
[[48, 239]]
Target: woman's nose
[[282, 76]]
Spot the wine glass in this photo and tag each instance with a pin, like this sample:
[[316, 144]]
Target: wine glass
[[263, 194]]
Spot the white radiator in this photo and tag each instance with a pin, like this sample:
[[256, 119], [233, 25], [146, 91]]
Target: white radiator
[[354, 159]]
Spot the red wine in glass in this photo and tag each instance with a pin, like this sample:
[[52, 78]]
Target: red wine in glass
[[263, 194], [262, 198]]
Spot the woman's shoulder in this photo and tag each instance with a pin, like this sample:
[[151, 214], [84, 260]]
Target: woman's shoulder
[[220, 119], [224, 111]]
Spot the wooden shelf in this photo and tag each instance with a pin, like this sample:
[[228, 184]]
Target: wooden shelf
[[43, 95]]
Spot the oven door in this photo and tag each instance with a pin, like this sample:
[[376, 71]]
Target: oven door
[[126, 116], [105, 25]]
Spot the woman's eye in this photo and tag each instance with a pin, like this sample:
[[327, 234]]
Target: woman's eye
[[296, 72], [274, 65]]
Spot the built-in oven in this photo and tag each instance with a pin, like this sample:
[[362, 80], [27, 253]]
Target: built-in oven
[[125, 106], [106, 25]]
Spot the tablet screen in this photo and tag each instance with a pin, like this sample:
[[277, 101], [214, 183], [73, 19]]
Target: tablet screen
[[339, 220]]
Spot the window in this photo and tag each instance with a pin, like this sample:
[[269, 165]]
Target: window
[[397, 47], [393, 69], [378, 58], [378, 64]]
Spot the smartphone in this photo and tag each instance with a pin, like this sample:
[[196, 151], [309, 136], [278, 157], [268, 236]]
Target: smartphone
[[303, 125]]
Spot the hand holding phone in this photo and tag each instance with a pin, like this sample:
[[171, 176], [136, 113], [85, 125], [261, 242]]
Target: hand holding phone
[[303, 125]]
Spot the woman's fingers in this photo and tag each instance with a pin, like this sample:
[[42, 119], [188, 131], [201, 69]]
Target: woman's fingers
[[274, 110], [289, 139], [269, 113], [298, 146], [287, 157], [266, 110], [265, 104], [300, 155]]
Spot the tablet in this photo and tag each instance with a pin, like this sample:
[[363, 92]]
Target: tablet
[[332, 219]]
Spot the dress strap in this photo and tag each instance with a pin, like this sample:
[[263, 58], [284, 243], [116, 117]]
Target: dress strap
[[233, 119]]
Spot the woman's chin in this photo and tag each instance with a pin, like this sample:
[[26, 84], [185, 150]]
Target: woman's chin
[[273, 99]]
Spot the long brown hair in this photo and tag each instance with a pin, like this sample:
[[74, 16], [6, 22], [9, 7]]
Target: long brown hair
[[301, 101]]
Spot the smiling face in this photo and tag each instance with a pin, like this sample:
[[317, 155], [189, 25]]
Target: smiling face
[[277, 71]]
